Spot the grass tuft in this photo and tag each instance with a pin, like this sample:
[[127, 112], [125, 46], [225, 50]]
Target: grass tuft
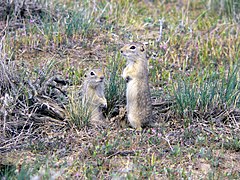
[[79, 114], [214, 91], [115, 86]]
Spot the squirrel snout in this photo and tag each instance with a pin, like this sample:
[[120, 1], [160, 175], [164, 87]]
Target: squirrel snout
[[101, 78]]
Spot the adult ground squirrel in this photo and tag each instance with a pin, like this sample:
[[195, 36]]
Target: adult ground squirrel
[[139, 105], [93, 94]]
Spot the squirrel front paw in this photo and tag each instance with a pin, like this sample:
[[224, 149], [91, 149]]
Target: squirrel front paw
[[125, 76], [127, 79], [103, 104]]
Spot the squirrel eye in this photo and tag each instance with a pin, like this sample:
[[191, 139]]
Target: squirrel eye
[[132, 47], [92, 73]]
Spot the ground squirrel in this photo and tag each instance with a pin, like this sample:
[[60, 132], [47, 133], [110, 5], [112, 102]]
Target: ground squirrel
[[139, 105], [93, 94]]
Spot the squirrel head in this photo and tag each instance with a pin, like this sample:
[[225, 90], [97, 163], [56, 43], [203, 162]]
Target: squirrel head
[[134, 51], [94, 77]]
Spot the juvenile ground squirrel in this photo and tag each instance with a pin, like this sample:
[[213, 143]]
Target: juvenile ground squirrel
[[93, 94], [139, 105]]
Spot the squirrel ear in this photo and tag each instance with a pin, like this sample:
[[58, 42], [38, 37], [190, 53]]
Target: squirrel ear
[[142, 48]]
